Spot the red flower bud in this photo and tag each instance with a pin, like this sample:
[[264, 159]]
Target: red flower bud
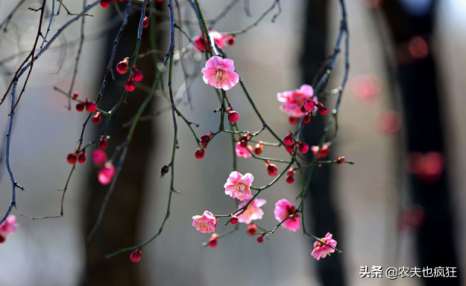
[[303, 147], [341, 160], [82, 157], [103, 143], [75, 94], [97, 118], [80, 107], [251, 229], [231, 40], [91, 106], [105, 3], [234, 220], [309, 105], [145, 22], [288, 140], [272, 170], [199, 153], [322, 109], [289, 148], [213, 240], [122, 67], [293, 120], [258, 148], [290, 179], [135, 256], [233, 116], [72, 158], [130, 86], [260, 239], [137, 75]]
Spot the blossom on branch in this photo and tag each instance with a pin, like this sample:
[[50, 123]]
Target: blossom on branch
[[253, 212], [215, 37], [321, 250], [7, 227], [293, 100], [238, 186], [242, 151], [220, 73], [205, 223], [283, 209]]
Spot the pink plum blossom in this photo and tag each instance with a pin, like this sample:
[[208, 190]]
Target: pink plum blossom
[[8, 227], [241, 151], [321, 250], [215, 37], [253, 212], [238, 186], [205, 223], [99, 157], [106, 173], [220, 73], [283, 208], [293, 100]]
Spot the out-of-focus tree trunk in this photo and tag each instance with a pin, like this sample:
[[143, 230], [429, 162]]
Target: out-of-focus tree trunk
[[424, 121], [321, 206], [119, 227]]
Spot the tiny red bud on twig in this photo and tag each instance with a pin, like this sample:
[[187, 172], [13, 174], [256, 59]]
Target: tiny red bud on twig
[[233, 116], [272, 170], [145, 22], [105, 3], [82, 157], [260, 239], [341, 160], [72, 158], [251, 229], [80, 107], [130, 86], [103, 143], [137, 75], [135, 256], [122, 67], [199, 153], [96, 119]]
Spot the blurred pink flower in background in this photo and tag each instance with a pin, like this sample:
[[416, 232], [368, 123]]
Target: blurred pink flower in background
[[389, 121], [220, 73], [205, 223], [321, 250], [293, 100], [238, 186], [253, 212], [283, 208], [99, 158], [106, 174], [366, 88], [428, 167]]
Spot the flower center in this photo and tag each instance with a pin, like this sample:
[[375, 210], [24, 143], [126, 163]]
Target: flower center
[[220, 75], [240, 187]]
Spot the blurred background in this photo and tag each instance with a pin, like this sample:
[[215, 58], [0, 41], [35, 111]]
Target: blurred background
[[400, 121]]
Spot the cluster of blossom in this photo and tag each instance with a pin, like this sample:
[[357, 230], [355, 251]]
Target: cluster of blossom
[[219, 72], [8, 227]]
